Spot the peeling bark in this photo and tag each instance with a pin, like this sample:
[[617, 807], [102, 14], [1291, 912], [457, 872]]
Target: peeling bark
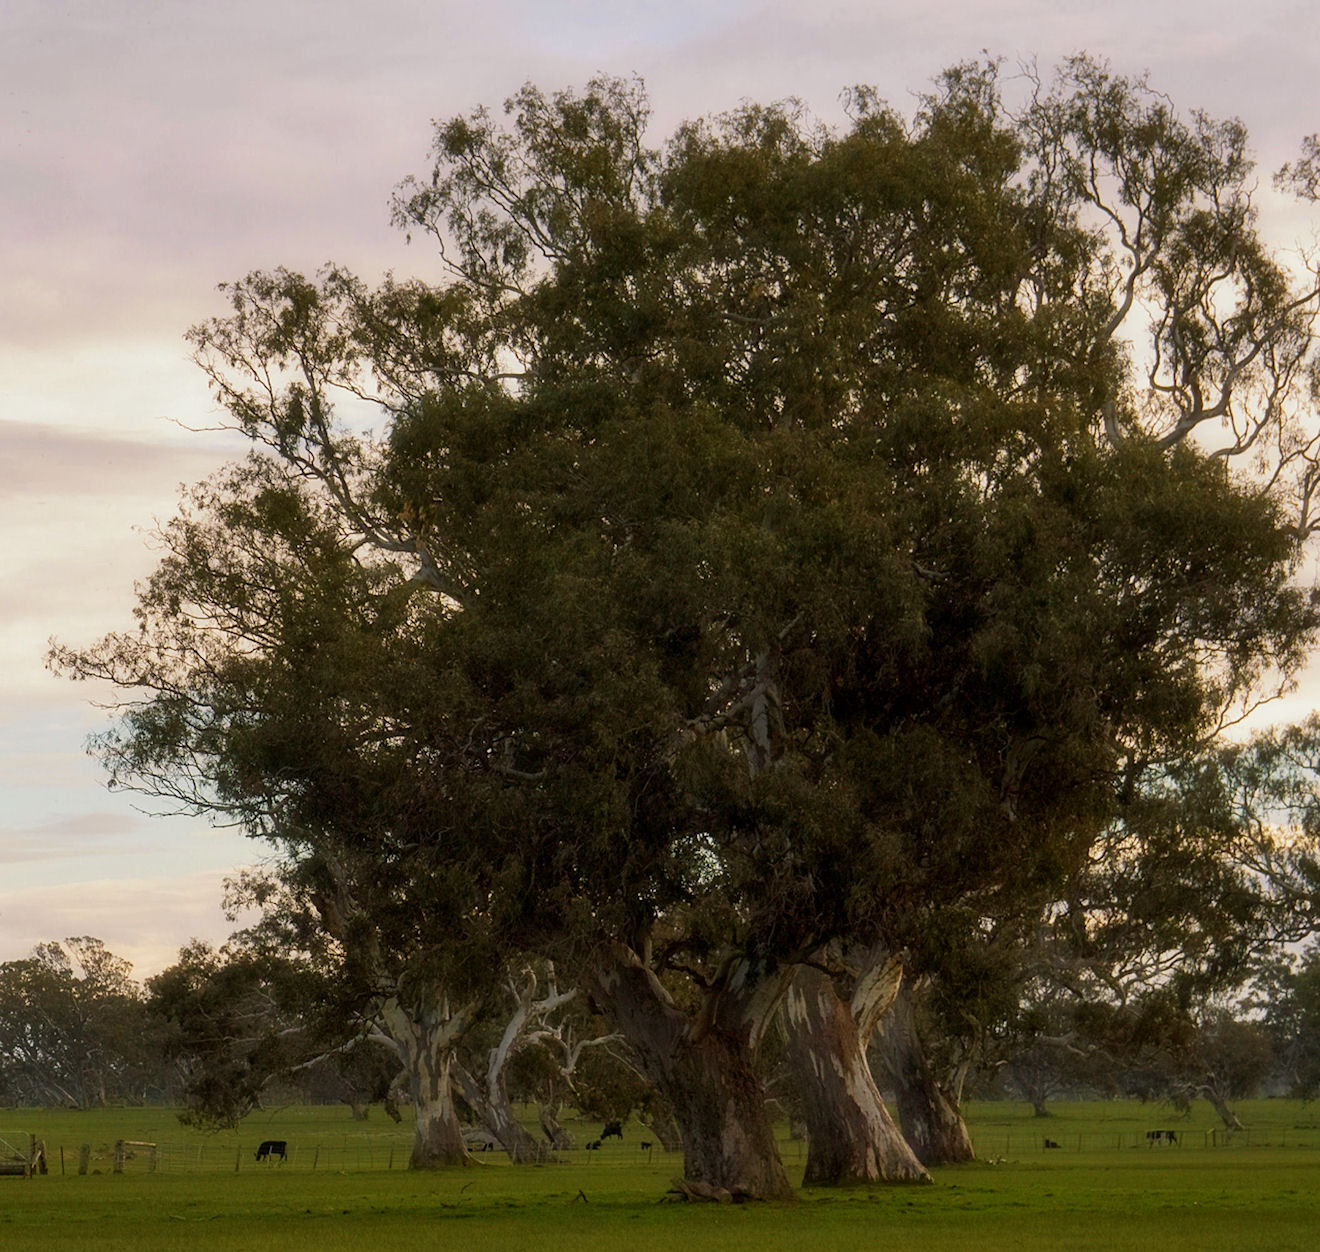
[[931, 1121], [490, 1099], [703, 1066], [851, 1137], [424, 1038], [437, 1134], [437, 1137]]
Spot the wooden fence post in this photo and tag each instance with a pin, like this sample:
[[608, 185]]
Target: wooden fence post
[[121, 1153]]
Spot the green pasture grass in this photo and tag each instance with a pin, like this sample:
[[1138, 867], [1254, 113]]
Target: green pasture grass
[[1259, 1194]]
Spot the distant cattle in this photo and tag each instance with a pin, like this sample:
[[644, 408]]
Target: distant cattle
[[1161, 1136], [593, 1146], [273, 1147], [614, 1129], [1049, 1143]]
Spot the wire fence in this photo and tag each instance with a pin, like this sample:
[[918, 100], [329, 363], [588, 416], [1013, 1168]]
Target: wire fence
[[383, 1152], [992, 1144], [348, 1156], [310, 1156], [179, 1158]]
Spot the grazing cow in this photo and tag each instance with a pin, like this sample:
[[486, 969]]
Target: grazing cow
[[612, 1128], [273, 1147], [1049, 1143], [1157, 1136], [646, 1147], [594, 1146]]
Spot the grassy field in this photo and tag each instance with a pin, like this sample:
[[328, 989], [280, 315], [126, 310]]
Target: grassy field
[[344, 1186]]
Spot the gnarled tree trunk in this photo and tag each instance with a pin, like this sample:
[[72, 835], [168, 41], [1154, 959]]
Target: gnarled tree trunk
[[703, 1066], [931, 1121], [491, 1103], [851, 1137], [437, 1135], [424, 1038], [490, 1098]]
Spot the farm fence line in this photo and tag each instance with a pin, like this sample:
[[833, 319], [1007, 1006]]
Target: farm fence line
[[349, 1156]]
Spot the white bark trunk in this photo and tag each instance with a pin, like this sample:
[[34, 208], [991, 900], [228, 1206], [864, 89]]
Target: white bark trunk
[[932, 1123], [424, 1037], [851, 1137], [490, 1097]]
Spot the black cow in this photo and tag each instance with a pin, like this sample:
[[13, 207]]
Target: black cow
[[614, 1129], [273, 1147], [1157, 1136]]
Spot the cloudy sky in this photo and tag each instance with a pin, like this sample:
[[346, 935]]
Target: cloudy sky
[[151, 149]]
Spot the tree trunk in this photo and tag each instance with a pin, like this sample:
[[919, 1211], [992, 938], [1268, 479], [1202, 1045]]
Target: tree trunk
[[660, 1122], [491, 1103], [437, 1135], [1220, 1106], [932, 1124], [560, 1139], [523, 1148], [703, 1066], [424, 1036], [728, 1141], [850, 1135]]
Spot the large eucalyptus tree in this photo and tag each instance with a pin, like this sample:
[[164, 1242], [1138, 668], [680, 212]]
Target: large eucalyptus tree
[[757, 553]]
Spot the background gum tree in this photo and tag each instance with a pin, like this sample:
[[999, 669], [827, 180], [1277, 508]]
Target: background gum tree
[[743, 556], [74, 1029]]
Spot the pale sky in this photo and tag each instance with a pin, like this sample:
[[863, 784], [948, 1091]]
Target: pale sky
[[151, 149]]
